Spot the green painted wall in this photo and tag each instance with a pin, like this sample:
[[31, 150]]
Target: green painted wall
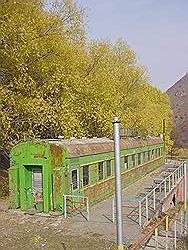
[[57, 166]]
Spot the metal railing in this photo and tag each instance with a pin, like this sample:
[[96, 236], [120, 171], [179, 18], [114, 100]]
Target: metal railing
[[153, 199], [76, 204], [169, 221], [129, 210]]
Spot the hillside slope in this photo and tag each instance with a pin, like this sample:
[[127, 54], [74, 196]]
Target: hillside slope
[[178, 94]]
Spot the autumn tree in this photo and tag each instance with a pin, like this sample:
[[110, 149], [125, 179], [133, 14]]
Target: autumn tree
[[53, 81]]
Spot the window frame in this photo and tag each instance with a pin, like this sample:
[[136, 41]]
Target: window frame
[[77, 176], [133, 161], [99, 176], [149, 155], [126, 162], [88, 166], [139, 159], [144, 157], [153, 154], [108, 161]]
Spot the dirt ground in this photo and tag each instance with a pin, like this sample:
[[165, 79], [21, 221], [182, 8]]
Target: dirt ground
[[23, 231], [52, 232]]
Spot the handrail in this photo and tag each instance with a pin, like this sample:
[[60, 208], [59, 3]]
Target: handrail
[[79, 197], [181, 165], [180, 175], [136, 245]]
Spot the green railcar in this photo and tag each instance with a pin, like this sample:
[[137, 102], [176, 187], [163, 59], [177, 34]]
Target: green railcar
[[42, 171]]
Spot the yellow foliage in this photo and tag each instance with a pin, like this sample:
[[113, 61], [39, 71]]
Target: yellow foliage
[[55, 82]]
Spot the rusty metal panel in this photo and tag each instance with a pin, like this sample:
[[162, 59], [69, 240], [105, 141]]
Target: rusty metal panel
[[56, 158], [83, 147]]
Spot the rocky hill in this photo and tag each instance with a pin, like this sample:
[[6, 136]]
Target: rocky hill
[[178, 94]]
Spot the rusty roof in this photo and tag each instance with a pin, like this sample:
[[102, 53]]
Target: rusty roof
[[83, 147]]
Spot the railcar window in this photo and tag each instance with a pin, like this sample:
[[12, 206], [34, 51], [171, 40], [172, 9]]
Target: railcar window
[[126, 162], [159, 152], [139, 158], [144, 156], [85, 175], [108, 168], [152, 154], [74, 179], [156, 153], [133, 161], [148, 155], [100, 170]]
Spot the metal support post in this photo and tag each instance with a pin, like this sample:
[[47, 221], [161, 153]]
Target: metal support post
[[165, 187], [166, 229], [173, 179], [169, 183], [119, 219], [181, 224], [156, 238], [147, 216], [154, 202], [140, 213], [182, 169], [160, 188], [175, 236]]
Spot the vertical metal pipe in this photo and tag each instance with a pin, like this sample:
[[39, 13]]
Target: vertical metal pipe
[[166, 229], [173, 180], [165, 187], [169, 184], [182, 169], [147, 216], [166, 245], [164, 134], [154, 203], [119, 219], [181, 224], [160, 188], [156, 238], [175, 238]]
